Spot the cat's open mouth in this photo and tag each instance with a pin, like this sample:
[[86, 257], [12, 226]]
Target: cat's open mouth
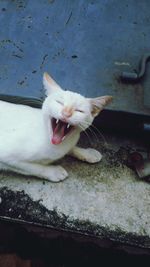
[[60, 130]]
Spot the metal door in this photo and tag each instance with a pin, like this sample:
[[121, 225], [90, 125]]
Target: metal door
[[83, 44]]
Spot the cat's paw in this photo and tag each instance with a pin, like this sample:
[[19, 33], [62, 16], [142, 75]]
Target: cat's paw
[[57, 174], [92, 155]]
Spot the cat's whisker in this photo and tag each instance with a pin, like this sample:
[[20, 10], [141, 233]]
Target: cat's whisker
[[85, 127], [99, 132], [85, 133], [89, 138], [93, 131]]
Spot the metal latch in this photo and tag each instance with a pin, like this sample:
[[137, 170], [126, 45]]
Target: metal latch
[[133, 76]]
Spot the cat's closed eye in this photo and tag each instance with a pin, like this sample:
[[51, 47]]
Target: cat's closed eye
[[79, 110], [60, 102]]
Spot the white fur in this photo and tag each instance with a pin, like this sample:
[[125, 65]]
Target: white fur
[[25, 133]]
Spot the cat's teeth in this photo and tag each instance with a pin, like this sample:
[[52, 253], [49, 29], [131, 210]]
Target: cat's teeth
[[63, 138], [68, 125], [57, 121]]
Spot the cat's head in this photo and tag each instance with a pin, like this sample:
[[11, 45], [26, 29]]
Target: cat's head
[[69, 111]]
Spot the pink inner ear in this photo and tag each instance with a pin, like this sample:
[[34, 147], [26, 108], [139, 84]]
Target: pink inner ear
[[49, 83], [99, 103], [49, 79], [95, 111]]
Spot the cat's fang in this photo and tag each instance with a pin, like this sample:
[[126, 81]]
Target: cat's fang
[[68, 126], [57, 121]]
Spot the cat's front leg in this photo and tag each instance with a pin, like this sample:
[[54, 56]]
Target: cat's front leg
[[86, 154], [51, 172], [56, 173]]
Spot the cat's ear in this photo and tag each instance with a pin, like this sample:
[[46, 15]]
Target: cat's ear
[[98, 103], [49, 84]]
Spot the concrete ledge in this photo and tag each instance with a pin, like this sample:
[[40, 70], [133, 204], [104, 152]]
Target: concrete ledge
[[106, 201]]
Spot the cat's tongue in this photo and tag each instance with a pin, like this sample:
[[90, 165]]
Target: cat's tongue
[[58, 133]]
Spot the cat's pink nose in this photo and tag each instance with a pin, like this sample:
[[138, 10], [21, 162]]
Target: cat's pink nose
[[67, 112]]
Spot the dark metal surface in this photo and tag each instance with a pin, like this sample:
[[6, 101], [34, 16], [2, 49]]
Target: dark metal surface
[[85, 45], [33, 102]]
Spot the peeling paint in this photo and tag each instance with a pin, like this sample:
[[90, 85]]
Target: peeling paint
[[119, 63]]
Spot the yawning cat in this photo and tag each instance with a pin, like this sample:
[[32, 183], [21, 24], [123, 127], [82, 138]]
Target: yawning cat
[[31, 138]]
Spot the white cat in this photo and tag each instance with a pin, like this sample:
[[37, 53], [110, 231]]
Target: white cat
[[31, 138]]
